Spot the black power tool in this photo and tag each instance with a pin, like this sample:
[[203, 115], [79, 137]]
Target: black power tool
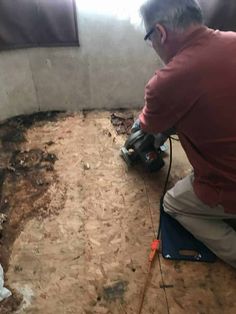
[[147, 148]]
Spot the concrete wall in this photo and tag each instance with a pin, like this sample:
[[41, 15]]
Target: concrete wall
[[109, 70]]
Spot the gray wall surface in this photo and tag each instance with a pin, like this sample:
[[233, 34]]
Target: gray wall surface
[[109, 70]]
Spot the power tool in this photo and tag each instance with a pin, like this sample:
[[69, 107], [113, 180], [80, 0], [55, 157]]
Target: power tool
[[147, 148]]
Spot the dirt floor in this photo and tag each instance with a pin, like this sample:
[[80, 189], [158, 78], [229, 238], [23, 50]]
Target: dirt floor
[[78, 230]]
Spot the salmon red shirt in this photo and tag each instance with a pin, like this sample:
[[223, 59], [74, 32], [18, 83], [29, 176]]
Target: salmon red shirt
[[196, 93]]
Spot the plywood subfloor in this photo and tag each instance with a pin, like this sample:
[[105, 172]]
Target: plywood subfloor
[[90, 258]]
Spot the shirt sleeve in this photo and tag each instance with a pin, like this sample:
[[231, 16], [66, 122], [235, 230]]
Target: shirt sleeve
[[169, 95], [158, 114]]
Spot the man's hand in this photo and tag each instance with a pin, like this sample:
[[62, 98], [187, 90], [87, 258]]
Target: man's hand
[[160, 138]]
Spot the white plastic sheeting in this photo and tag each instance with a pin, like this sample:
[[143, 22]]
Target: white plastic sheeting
[[4, 292]]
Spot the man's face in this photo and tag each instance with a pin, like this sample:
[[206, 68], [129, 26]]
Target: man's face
[[156, 44], [155, 39]]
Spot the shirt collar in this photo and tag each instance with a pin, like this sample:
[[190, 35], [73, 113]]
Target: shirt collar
[[193, 37]]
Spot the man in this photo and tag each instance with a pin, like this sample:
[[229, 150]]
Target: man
[[195, 93]]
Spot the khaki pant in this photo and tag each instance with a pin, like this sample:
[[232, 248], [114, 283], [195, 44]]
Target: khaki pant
[[210, 225]]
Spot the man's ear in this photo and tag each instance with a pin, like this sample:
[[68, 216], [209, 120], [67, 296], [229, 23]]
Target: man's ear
[[162, 33]]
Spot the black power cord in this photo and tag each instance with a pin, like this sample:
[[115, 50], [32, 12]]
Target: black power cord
[[165, 187], [174, 139]]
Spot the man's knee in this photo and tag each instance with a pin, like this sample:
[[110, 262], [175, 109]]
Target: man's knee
[[180, 197], [168, 204]]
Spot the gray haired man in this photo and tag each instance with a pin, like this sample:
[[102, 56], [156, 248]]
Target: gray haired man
[[195, 94]]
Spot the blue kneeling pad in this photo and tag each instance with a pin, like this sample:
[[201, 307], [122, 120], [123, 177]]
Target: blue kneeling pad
[[179, 244]]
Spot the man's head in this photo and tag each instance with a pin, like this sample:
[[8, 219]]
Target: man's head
[[168, 21]]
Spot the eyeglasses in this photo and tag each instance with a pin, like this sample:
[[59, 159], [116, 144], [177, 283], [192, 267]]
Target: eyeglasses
[[148, 35]]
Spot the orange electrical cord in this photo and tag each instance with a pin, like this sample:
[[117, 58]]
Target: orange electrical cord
[[156, 243]]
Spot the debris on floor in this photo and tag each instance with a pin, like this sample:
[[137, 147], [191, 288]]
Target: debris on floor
[[115, 291], [11, 304], [3, 218], [123, 122], [26, 177]]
